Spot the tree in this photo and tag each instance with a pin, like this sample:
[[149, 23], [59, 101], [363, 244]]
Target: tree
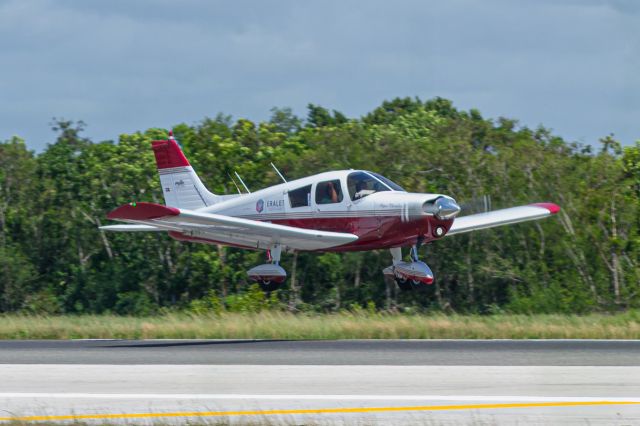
[[54, 259]]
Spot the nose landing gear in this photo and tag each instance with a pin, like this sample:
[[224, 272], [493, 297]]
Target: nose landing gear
[[409, 275]]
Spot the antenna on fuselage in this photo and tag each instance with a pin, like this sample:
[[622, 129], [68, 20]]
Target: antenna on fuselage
[[242, 182], [278, 172], [234, 183]]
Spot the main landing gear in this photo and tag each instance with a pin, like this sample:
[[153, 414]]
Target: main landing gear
[[409, 275], [269, 276]]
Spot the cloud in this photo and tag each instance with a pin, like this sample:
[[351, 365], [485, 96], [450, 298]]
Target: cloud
[[122, 66]]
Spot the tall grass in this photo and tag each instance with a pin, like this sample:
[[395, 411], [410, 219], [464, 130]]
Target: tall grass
[[283, 325]]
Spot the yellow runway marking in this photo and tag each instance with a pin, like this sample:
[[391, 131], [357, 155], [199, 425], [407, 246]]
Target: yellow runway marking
[[345, 410]]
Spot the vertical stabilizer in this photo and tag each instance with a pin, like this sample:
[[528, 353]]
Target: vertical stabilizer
[[181, 185]]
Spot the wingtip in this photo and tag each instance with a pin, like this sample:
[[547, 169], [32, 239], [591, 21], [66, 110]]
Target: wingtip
[[553, 208]]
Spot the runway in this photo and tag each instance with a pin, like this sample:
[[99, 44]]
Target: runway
[[322, 382]]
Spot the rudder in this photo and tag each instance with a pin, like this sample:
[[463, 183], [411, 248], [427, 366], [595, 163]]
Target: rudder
[[181, 186]]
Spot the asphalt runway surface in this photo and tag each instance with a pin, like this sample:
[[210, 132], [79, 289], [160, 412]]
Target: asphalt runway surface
[[324, 352], [428, 382]]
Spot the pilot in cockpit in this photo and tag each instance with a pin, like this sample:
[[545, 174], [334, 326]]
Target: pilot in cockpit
[[362, 189]]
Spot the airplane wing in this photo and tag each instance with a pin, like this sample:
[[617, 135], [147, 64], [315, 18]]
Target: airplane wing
[[508, 216], [221, 228]]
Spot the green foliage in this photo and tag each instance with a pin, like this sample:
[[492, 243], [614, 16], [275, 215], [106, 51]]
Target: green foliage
[[42, 302], [210, 304], [135, 303], [54, 260], [252, 301]]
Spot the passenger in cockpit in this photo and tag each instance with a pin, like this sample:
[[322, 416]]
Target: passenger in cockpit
[[330, 194]]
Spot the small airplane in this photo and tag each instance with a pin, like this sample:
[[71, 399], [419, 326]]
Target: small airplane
[[344, 210]]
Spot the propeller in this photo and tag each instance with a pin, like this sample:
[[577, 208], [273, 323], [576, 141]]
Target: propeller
[[480, 204]]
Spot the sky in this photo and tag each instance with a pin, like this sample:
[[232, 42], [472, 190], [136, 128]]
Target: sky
[[122, 66]]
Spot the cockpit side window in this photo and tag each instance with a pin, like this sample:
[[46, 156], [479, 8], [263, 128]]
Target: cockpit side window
[[329, 192], [300, 197], [361, 184]]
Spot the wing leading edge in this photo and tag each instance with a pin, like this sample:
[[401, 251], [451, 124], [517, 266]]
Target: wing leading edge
[[225, 229], [501, 217]]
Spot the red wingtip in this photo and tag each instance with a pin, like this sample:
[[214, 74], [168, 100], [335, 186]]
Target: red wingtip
[[170, 134], [142, 211], [553, 208], [168, 154]]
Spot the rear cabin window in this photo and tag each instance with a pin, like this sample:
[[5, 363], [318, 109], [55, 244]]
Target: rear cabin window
[[329, 192], [300, 197]]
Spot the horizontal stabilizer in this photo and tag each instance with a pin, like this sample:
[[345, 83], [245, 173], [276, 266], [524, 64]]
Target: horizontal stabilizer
[[508, 216], [142, 211]]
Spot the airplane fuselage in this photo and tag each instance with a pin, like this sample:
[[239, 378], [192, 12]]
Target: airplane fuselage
[[381, 217]]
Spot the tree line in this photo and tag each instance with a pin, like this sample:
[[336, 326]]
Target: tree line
[[53, 258]]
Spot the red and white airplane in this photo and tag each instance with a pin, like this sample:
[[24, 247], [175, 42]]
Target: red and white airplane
[[345, 210]]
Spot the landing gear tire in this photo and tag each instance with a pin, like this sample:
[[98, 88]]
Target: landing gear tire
[[268, 286], [404, 284]]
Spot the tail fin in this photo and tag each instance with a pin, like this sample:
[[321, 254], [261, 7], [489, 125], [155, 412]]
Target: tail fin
[[181, 185]]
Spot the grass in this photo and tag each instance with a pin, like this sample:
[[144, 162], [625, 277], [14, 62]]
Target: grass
[[282, 325]]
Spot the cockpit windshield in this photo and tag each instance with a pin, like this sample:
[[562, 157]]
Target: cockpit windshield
[[388, 182], [361, 184]]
